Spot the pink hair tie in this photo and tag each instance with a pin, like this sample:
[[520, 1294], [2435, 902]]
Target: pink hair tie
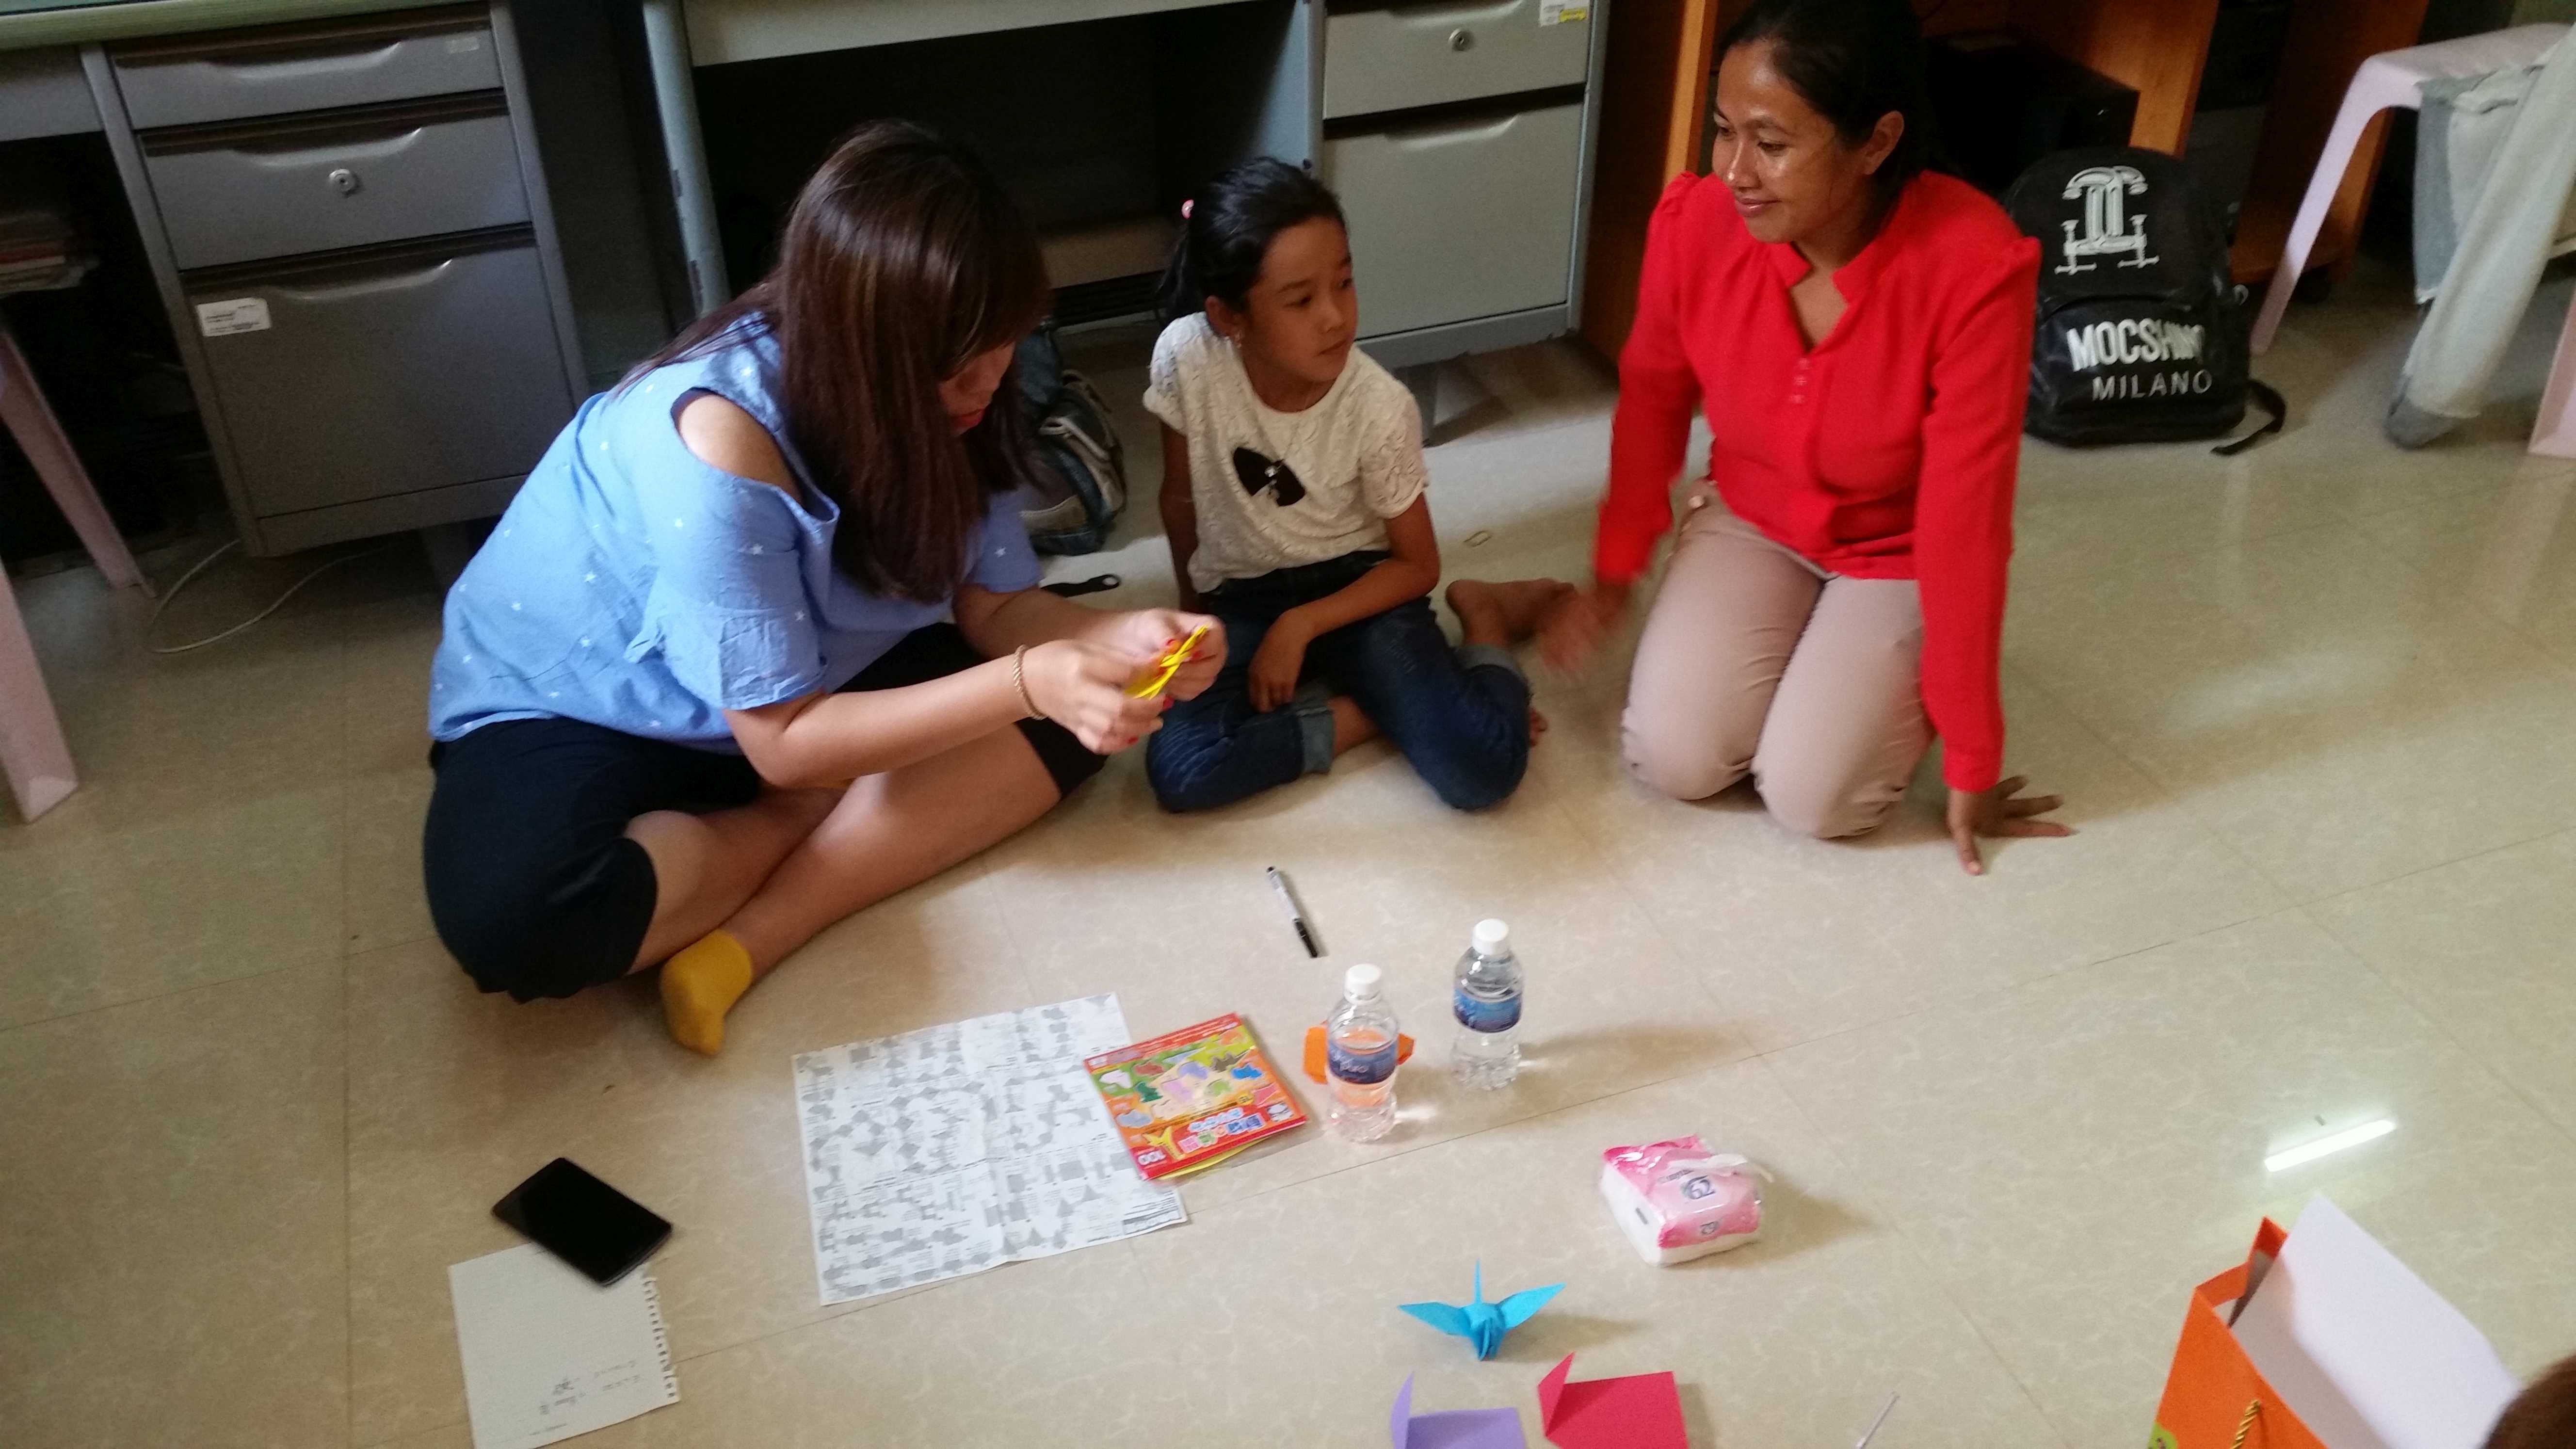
[[1185, 211]]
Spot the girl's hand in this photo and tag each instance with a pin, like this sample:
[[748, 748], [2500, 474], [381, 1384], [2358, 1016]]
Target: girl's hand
[[1278, 662], [1996, 812], [1572, 632], [1203, 666], [1153, 633], [1083, 687]]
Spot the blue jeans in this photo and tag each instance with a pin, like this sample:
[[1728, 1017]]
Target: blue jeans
[[1460, 715]]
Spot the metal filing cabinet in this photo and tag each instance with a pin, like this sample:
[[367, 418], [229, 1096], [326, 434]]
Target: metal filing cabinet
[[1461, 218], [1459, 137], [351, 231]]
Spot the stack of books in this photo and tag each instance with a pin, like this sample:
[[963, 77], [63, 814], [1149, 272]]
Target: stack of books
[[39, 250]]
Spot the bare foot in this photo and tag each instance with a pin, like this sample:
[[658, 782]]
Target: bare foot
[[1351, 725], [1504, 613]]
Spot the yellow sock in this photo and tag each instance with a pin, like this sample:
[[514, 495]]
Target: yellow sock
[[699, 986]]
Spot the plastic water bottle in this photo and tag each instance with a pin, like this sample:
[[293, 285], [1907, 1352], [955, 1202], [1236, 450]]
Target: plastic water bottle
[[1487, 1002], [1359, 1055]]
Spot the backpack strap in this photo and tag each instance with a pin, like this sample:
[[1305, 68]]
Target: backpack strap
[[1096, 584], [2264, 396], [1077, 389], [1085, 444], [1080, 444]]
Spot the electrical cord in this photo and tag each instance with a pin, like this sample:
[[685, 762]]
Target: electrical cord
[[200, 567]]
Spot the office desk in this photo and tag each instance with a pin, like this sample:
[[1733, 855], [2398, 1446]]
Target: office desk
[[25, 23], [349, 224], [1458, 135]]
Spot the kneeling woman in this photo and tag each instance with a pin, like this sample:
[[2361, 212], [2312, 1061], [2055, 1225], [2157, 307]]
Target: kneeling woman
[[760, 641], [1858, 331]]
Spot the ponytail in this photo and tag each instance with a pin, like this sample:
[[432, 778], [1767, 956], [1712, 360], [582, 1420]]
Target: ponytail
[[1227, 228]]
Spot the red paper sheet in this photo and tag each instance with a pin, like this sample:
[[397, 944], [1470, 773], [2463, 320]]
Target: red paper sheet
[[1641, 1411]]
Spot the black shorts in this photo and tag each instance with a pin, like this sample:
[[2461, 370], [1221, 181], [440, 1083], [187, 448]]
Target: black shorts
[[533, 883]]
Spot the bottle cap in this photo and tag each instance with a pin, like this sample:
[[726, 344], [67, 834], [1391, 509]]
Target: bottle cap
[[1492, 936], [1362, 980]]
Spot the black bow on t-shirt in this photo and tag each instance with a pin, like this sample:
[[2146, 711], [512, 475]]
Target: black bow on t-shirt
[[1258, 472]]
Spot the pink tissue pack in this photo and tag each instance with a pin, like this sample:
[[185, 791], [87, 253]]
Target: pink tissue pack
[[1677, 1200]]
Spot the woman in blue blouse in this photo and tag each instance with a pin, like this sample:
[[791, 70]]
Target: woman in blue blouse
[[760, 641]]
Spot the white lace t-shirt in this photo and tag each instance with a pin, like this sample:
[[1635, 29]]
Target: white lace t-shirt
[[1276, 489]]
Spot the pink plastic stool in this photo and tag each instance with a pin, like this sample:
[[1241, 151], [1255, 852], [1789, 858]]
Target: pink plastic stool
[[32, 752], [2554, 436], [2387, 81]]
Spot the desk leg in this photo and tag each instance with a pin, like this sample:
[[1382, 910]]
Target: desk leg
[[675, 102], [31, 422]]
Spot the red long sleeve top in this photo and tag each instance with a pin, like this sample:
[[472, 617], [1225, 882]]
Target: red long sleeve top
[[1887, 451]]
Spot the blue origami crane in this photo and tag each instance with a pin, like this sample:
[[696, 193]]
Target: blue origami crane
[[1481, 1323]]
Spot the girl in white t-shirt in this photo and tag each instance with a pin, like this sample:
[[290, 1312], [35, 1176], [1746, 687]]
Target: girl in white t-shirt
[[1292, 498]]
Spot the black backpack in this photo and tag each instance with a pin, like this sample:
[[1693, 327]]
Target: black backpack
[[1078, 478], [2142, 330]]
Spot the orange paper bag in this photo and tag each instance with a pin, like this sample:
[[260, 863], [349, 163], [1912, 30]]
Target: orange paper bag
[[2214, 1398]]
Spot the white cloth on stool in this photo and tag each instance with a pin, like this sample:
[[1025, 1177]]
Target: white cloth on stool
[[2465, 122], [2503, 248]]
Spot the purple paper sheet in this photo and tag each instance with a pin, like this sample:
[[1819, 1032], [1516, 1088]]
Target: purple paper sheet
[[1453, 1428]]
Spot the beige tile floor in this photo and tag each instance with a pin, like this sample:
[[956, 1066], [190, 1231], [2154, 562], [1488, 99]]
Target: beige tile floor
[[2314, 709]]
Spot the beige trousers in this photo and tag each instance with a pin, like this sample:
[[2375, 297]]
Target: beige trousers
[[1754, 661]]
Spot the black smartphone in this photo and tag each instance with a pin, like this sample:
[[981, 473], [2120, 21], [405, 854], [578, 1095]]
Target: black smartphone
[[583, 1221]]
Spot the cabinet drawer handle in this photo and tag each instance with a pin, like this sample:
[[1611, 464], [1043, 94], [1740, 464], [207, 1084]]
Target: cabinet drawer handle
[[401, 281], [344, 181], [297, 151], [292, 156], [1456, 131], [1452, 10], [316, 61], [1461, 38]]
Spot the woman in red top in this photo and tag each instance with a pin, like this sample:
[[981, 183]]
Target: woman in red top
[[1858, 331]]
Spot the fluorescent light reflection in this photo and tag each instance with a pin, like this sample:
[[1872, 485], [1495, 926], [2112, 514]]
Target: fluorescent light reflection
[[2328, 1146]]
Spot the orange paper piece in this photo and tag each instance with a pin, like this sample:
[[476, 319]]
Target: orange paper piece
[[1315, 1053], [1641, 1411]]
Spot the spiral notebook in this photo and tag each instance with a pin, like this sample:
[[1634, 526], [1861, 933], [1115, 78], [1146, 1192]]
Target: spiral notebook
[[550, 1354]]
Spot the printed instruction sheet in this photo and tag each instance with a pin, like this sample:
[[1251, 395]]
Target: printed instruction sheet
[[550, 1354], [948, 1150]]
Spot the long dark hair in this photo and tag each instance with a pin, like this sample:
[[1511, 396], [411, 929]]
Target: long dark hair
[[1854, 61], [2542, 1415], [1229, 227], [902, 260]]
